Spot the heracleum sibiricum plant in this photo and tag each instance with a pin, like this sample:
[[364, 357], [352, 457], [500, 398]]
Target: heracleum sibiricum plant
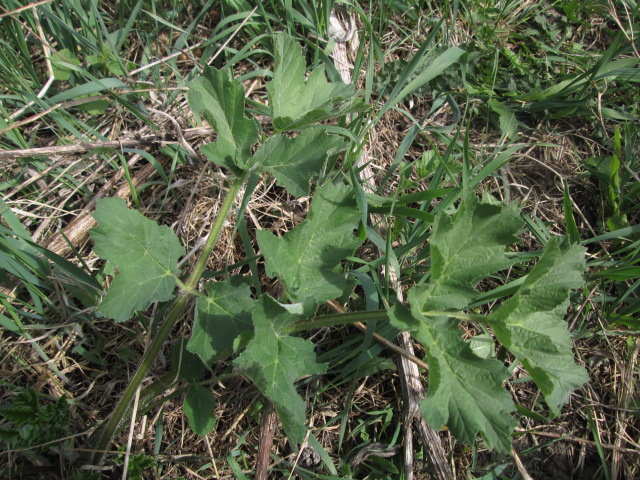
[[466, 392]]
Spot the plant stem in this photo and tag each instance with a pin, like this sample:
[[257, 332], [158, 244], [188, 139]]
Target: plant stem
[[356, 319], [336, 319], [101, 439], [463, 317]]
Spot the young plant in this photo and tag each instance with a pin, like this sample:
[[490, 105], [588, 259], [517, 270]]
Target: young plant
[[466, 391], [34, 429], [146, 255]]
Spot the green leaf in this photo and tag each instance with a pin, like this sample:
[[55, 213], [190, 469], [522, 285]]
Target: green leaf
[[570, 222], [273, 361], [482, 345], [508, 121], [188, 364], [220, 100], [34, 424], [530, 324], [294, 161], [24, 407], [434, 68], [296, 102], [465, 249], [221, 315], [145, 254], [63, 63], [95, 107], [87, 89], [199, 409], [465, 391], [305, 258]]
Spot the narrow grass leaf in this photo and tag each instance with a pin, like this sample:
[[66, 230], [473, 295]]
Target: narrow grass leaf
[[305, 258], [17, 259], [273, 361], [572, 81], [495, 164], [145, 254], [618, 274], [616, 234], [435, 68], [13, 222], [88, 89], [530, 324], [570, 222]]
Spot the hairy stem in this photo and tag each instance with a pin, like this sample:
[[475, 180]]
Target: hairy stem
[[101, 439]]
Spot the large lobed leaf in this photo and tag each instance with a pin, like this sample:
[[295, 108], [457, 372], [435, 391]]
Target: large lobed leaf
[[464, 249], [220, 100], [305, 258], [295, 161], [145, 254], [530, 324], [221, 315], [273, 361], [297, 102], [465, 391]]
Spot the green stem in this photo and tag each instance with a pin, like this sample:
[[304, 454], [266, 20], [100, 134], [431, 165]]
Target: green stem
[[333, 320], [106, 432], [349, 318], [464, 317]]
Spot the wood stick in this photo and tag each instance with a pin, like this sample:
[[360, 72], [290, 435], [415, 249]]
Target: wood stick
[[267, 431], [85, 147], [413, 393], [408, 363]]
